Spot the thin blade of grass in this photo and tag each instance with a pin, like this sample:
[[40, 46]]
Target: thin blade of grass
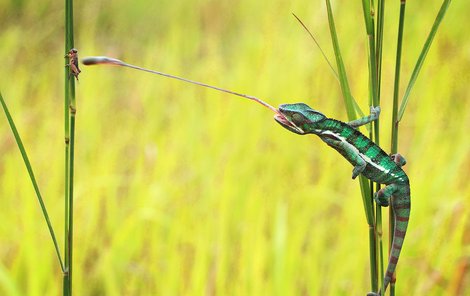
[[379, 42], [422, 57], [32, 177], [369, 23], [364, 183], [318, 45], [343, 79], [350, 110], [356, 105], [367, 17]]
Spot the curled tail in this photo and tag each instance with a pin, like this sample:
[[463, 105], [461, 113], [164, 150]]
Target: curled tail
[[401, 206]]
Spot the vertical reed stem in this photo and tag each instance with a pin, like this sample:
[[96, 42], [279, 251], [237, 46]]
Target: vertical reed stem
[[394, 139], [69, 129]]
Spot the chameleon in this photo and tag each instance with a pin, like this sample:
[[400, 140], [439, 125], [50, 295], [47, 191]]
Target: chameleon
[[367, 158]]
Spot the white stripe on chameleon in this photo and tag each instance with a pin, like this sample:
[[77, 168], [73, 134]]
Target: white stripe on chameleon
[[363, 156]]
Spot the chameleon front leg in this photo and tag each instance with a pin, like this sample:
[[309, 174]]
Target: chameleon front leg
[[374, 114], [350, 152]]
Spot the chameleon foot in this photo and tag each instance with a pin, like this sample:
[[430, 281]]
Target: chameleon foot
[[373, 294], [375, 111], [398, 159], [380, 199], [358, 169]]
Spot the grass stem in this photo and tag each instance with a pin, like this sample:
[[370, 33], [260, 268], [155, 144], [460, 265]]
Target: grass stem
[[69, 130], [394, 139], [33, 178], [422, 56]]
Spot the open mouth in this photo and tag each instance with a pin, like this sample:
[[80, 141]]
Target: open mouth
[[288, 124]]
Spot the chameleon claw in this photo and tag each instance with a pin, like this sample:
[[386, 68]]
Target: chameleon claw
[[375, 111], [398, 159], [380, 199], [358, 169]]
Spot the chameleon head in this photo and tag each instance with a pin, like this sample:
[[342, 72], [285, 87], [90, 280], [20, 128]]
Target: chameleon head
[[298, 118]]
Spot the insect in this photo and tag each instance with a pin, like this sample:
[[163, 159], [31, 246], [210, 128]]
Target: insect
[[73, 62]]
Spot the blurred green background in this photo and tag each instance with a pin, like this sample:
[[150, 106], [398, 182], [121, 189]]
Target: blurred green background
[[182, 190]]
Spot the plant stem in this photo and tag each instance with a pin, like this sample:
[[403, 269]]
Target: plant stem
[[69, 130], [70, 177], [422, 55], [374, 100], [348, 101], [378, 59], [379, 42], [366, 188], [396, 86], [394, 139], [33, 179]]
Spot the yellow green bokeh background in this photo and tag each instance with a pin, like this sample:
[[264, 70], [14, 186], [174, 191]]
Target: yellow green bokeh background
[[182, 190]]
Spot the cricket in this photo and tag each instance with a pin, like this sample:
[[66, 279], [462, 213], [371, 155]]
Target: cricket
[[73, 62]]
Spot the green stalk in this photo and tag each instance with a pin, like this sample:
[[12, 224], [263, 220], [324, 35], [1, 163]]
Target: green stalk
[[374, 100], [364, 184], [396, 87], [356, 105], [350, 109], [32, 177], [379, 42], [70, 195], [378, 58], [69, 130], [398, 115], [394, 139], [343, 79], [422, 56]]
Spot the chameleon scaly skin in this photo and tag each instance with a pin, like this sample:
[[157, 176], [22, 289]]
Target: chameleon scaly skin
[[367, 158]]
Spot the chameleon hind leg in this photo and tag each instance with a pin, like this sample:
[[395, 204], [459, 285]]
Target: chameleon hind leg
[[382, 197], [350, 152], [374, 114]]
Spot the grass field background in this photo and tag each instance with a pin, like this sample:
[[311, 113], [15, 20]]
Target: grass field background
[[182, 190]]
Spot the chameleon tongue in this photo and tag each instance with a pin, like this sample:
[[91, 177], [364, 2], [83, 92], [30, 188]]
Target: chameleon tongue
[[102, 60]]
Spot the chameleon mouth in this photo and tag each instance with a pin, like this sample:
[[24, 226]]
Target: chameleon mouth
[[282, 120]]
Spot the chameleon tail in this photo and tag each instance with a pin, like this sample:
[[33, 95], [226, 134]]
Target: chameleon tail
[[401, 205]]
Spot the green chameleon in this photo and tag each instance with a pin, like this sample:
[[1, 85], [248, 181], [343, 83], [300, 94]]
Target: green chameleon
[[367, 158]]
